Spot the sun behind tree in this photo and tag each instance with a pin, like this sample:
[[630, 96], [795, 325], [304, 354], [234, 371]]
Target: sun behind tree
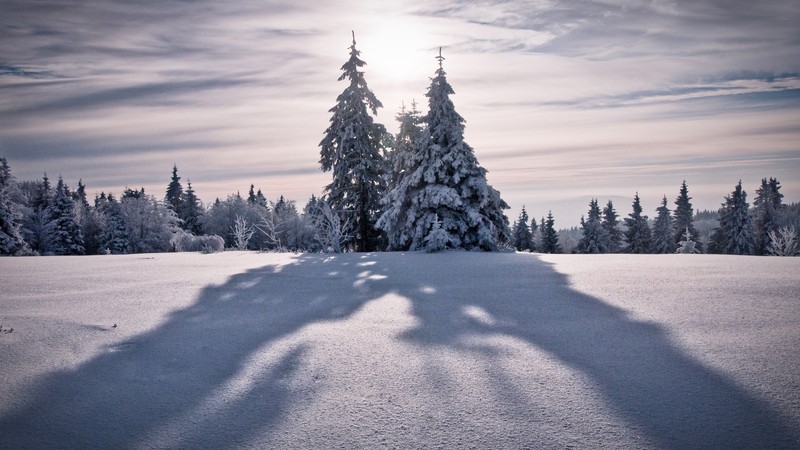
[[445, 201]]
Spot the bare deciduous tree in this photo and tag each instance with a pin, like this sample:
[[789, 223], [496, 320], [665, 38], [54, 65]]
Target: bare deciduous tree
[[331, 229], [242, 232], [783, 242]]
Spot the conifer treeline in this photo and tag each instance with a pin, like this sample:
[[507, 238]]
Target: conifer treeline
[[768, 228], [422, 189]]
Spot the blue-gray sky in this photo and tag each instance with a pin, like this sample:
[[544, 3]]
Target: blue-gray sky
[[564, 100]]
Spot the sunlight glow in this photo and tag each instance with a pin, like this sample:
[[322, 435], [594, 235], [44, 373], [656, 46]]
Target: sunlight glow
[[395, 49]]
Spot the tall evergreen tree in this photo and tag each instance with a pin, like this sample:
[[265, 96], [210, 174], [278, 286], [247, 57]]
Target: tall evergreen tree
[[638, 233], [448, 190], [11, 242], [174, 191], [767, 211], [80, 194], [191, 213], [67, 235], [611, 225], [549, 235], [353, 150], [251, 195], [736, 231], [595, 238], [684, 217], [44, 195], [115, 239], [260, 199], [663, 230], [523, 238], [402, 162], [37, 226]]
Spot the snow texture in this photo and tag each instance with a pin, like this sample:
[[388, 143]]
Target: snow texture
[[399, 350]]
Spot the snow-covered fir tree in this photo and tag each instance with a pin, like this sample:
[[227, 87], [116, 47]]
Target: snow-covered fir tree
[[687, 245], [684, 217], [523, 238], [402, 161], [611, 225], [353, 150], [767, 211], [735, 236], [114, 238], [549, 235], [663, 231], [67, 238], [595, 238], [36, 224], [11, 242], [447, 191], [638, 235], [174, 191], [251, 195], [191, 212]]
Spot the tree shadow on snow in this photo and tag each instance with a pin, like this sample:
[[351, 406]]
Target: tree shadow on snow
[[186, 383], [182, 383], [671, 398]]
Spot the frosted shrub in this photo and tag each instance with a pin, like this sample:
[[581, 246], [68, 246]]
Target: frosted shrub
[[212, 244], [783, 242], [183, 241]]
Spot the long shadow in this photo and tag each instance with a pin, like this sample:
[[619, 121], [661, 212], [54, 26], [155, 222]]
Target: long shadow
[[176, 385], [156, 385], [673, 399]]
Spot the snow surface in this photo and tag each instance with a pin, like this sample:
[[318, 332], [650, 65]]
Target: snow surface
[[456, 349]]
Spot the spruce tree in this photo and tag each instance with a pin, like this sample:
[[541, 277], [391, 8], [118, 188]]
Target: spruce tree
[[549, 235], [353, 150], [191, 213], [402, 162], [67, 238], [251, 195], [11, 242], [637, 235], [401, 158], [684, 217], [80, 194], [611, 225], [261, 200], [534, 227], [523, 238], [687, 245], [448, 192], [115, 239], [44, 195], [767, 211], [734, 224], [595, 238], [174, 191], [663, 230]]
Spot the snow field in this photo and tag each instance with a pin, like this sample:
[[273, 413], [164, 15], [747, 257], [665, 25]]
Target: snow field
[[458, 349]]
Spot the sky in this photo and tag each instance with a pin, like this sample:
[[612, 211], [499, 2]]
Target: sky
[[563, 100]]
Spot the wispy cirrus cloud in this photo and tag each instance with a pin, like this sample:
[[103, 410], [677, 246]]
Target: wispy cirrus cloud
[[602, 97]]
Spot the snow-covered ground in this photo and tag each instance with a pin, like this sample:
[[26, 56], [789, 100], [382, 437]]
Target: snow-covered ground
[[399, 350]]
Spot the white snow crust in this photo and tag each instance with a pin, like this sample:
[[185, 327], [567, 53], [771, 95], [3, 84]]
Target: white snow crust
[[400, 350]]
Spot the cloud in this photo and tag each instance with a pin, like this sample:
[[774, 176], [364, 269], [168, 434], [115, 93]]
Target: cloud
[[561, 98]]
